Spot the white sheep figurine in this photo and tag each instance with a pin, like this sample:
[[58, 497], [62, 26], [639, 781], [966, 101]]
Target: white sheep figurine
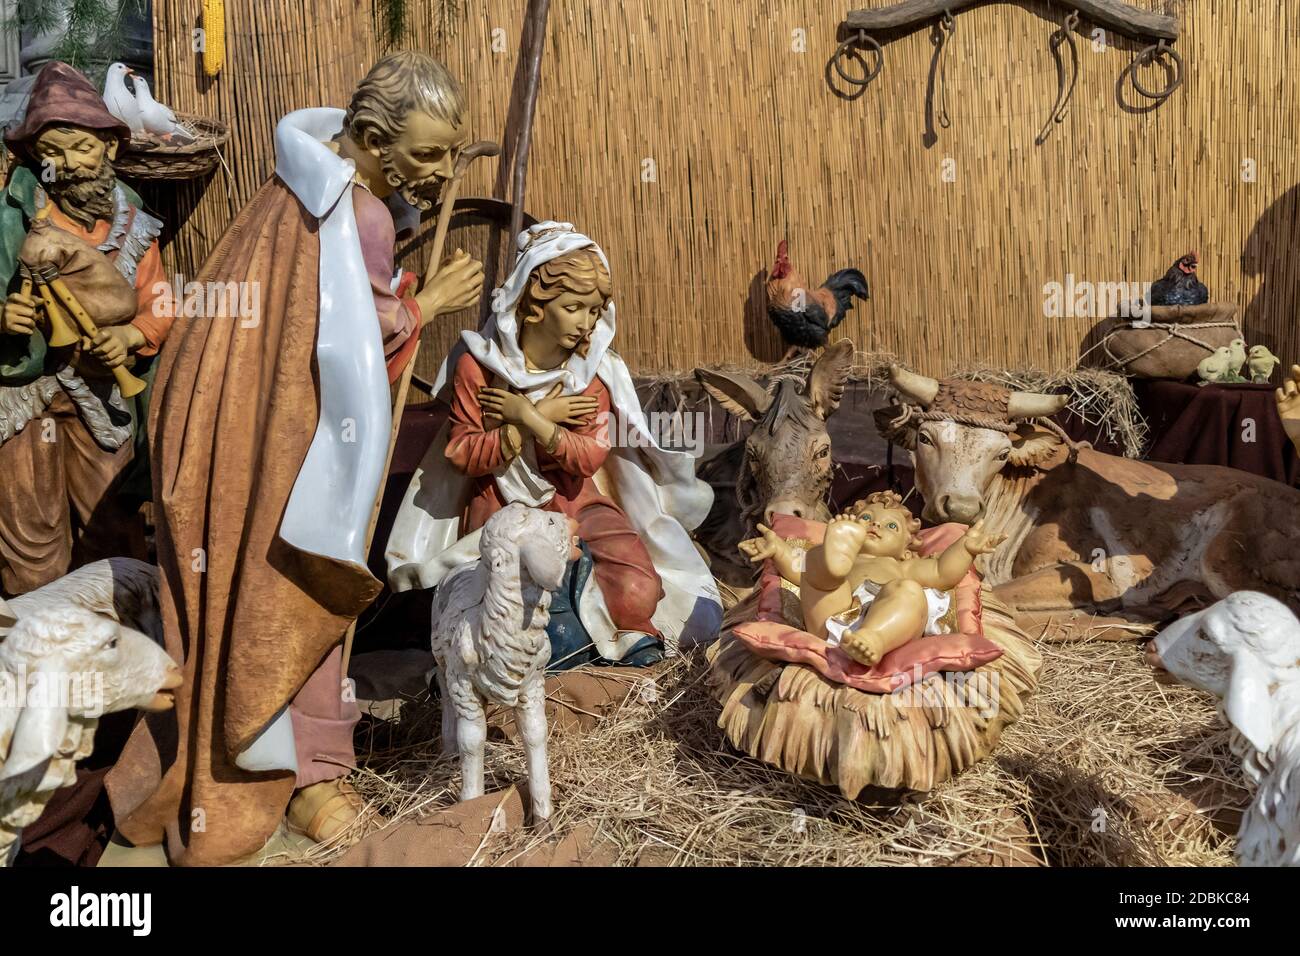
[[489, 637], [1246, 650], [67, 656]]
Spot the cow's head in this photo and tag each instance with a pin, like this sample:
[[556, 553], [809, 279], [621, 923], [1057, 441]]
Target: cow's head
[[787, 466], [966, 434]]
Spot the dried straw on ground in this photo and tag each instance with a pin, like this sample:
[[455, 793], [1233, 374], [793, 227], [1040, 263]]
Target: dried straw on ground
[[1105, 767]]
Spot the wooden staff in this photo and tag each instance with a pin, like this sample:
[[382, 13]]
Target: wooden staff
[[467, 156], [538, 11]]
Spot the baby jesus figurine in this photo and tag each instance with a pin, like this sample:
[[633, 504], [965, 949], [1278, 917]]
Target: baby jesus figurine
[[863, 588]]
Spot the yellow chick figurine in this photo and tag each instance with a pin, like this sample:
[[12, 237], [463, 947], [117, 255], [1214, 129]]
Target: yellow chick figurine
[[1237, 351], [1217, 367], [1261, 364]]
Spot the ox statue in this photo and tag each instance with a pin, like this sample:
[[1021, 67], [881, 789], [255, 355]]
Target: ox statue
[[783, 465], [1089, 531]]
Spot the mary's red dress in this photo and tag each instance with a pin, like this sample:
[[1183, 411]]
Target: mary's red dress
[[628, 580]]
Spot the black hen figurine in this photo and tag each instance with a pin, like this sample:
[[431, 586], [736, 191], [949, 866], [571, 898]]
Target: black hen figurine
[[804, 315], [1180, 285]]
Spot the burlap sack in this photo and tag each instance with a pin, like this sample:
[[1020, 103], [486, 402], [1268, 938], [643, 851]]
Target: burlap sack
[[1175, 342], [89, 274]]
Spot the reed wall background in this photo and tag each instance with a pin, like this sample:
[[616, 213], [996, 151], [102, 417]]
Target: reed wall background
[[749, 145]]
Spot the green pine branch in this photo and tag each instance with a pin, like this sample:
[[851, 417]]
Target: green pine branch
[[95, 33]]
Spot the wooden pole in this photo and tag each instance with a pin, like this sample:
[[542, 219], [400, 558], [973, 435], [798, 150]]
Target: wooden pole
[[540, 10]]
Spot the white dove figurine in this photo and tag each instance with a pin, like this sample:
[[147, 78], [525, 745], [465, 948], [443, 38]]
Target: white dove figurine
[[157, 118], [120, 101]]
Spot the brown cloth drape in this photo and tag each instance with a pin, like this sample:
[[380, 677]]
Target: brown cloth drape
[[234, 412], [1233, 425]]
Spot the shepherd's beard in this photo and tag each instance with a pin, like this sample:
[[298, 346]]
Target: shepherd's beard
[[422, 195], [85, 198]]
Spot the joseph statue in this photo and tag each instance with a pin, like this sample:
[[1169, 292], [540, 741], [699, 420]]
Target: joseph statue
[[269, 445]]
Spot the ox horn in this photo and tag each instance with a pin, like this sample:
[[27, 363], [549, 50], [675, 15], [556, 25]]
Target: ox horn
[[915, 388], [1034, 405]]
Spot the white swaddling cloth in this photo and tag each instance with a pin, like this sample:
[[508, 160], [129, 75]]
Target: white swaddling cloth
[[936, 602]]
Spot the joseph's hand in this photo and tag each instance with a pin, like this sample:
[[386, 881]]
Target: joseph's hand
[[458, 285], [19, 316]]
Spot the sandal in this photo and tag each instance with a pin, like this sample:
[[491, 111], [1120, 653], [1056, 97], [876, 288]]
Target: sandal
[[332, 816]]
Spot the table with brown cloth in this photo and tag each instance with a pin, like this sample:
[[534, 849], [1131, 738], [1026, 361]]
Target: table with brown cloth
[[1207, 425]]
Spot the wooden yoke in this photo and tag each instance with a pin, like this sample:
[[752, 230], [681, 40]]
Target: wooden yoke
[[1123, 18]]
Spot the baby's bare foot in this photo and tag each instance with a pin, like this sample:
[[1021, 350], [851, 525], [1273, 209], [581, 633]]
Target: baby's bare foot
[[847, 529], [840, 546], [863, 646]]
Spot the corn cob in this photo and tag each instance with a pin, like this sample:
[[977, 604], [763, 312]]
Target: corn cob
[[214, 36]]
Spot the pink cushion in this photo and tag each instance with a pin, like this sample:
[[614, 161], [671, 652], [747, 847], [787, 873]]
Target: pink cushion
[[771, 637]]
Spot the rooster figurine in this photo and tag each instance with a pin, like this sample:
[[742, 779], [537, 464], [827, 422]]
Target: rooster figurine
[[1180, 286], [803, 315]]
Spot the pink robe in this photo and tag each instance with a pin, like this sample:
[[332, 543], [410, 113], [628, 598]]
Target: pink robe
[[628, 580]]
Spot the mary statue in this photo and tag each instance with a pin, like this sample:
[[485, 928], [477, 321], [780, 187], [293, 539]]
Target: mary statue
[[536, 398]]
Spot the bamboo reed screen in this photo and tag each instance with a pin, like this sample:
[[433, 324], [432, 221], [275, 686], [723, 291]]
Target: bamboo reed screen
[[689, 137]]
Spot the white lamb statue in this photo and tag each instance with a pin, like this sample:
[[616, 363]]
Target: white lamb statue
[[1246, 650], [489, 637], [68, 655]]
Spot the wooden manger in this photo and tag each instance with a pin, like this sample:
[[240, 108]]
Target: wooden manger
[[789, 716]]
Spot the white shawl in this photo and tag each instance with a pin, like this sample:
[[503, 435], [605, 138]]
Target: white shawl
[[329, 508], [655, 487], [344, 468]]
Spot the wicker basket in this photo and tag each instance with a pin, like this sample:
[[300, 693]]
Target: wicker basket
[[1175, 341], [150, 159]]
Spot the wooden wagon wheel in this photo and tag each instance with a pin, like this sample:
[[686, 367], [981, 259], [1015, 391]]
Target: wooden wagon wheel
[[479, 224]]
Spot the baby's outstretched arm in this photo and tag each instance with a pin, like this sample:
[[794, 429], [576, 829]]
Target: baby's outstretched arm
[[946, 571], [771, 545]]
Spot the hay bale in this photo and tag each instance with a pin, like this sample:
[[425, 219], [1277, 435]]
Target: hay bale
[[790, 717]]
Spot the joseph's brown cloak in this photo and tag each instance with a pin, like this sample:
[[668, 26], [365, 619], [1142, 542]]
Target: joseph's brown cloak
[[233, 415]]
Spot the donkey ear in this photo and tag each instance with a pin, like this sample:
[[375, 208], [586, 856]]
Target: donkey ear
[[1031, 446], [736, 392], [828, 377]]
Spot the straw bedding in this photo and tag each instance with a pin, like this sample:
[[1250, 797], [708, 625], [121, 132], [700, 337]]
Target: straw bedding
[[1104, 767]]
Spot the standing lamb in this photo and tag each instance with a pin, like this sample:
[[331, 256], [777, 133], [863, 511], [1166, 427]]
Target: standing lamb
[[1246, 650], [68, 656], [489, 637]]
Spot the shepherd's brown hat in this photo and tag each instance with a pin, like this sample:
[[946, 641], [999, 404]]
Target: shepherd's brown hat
[[63, 96]]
